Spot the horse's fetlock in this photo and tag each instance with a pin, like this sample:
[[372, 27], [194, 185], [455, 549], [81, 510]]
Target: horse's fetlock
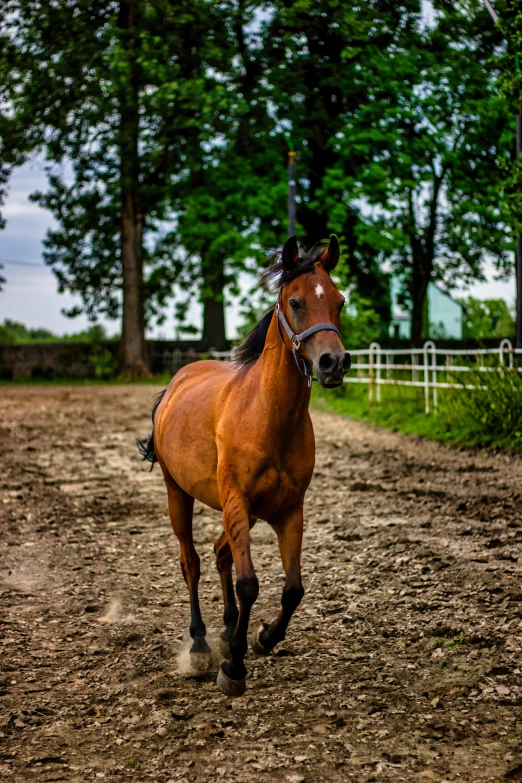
[[247, 589], [198, 630], [199, 644], [238, 648]]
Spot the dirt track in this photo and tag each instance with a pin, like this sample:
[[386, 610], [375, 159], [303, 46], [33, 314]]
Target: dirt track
[[402, 664]]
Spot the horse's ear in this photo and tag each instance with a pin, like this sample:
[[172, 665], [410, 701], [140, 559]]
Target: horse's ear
[[290, 255], [330, 256]]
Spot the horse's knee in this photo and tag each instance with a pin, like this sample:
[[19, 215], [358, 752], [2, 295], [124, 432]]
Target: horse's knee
[[292, 597], [247, 588]]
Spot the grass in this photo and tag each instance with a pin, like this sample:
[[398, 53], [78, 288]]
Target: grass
[[401, 409], [490, 417]]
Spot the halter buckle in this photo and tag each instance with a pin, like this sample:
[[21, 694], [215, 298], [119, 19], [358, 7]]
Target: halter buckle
[[295, 342]]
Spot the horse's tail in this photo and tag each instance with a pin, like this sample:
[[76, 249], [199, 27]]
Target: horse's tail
[[146, 446]]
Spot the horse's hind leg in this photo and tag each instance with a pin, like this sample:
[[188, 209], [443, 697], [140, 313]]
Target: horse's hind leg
[[237, 523], [224, 567], [289, 530], [181, 507]]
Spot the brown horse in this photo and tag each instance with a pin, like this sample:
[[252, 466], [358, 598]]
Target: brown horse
[[239, 438]]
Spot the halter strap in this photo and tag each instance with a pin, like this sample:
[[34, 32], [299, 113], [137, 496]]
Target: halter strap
[[296, 339]]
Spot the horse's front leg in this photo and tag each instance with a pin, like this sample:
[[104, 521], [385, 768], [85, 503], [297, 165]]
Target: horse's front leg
[[289, 530], [237, 523]]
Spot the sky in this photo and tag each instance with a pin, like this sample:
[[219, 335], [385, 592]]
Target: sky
[[30, 294]]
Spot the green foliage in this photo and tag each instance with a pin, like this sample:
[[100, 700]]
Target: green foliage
[[510, 83], [16, 332], [402, 135], [104, 361], [487, 318], [491, 413], [360, 323], [432, 135], [321, 56], [123, 96]]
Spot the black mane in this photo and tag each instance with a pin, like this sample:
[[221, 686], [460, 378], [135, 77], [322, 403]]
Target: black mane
[[275, 276]]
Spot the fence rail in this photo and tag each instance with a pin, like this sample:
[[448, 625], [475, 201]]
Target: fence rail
[[429, 367], [171, 361], [426, 366]]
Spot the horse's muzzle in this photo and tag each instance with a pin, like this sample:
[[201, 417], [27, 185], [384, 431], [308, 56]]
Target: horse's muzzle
[[332, 367]]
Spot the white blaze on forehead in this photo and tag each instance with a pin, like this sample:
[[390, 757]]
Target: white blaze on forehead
[[319, 290]]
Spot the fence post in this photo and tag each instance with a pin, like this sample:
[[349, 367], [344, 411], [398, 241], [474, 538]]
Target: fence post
[[428, 346], [379, 365], [425, 348], [414, 367], [371, 373], [506, 345], [177, 360], [434, 377], [389, 362]]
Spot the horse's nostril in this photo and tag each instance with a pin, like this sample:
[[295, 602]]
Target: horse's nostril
[[346, 362], [327, 362]]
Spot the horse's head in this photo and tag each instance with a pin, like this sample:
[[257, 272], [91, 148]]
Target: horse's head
[[312, 299]]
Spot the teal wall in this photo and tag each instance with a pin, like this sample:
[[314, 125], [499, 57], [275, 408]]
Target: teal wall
[[444, 315]]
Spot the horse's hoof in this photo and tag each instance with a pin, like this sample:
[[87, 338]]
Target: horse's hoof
[[255, 642], [201, 662], [228, 686]]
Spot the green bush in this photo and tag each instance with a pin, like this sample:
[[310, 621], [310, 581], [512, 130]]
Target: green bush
[[489, 415], [16, 332], [360, 324]]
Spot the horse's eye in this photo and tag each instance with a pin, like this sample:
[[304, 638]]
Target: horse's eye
[[342, 304], [294, 304]]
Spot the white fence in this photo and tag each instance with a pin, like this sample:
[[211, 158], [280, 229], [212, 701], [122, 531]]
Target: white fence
[[423, 367], [377, 367]]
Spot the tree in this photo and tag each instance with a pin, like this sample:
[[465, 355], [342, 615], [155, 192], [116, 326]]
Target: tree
[[487, 318], [121, 93], [435, 131], [319, 52]]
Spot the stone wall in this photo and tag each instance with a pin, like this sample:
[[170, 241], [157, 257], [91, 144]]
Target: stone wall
[[49, 360], [80, 360]]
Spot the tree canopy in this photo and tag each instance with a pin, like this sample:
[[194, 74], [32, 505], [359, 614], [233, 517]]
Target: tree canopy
[[120, 96], [435, 131], [165, 128], [487, 318]]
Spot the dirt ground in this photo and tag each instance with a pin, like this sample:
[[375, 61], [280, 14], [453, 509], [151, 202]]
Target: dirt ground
[[403, 662]]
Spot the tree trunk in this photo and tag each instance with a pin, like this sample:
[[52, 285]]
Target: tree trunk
[[213, 305], [420, 281], [423, 252], [133, 348]]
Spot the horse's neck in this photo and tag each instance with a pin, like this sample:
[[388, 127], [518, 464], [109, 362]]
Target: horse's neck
[[286, 394]]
